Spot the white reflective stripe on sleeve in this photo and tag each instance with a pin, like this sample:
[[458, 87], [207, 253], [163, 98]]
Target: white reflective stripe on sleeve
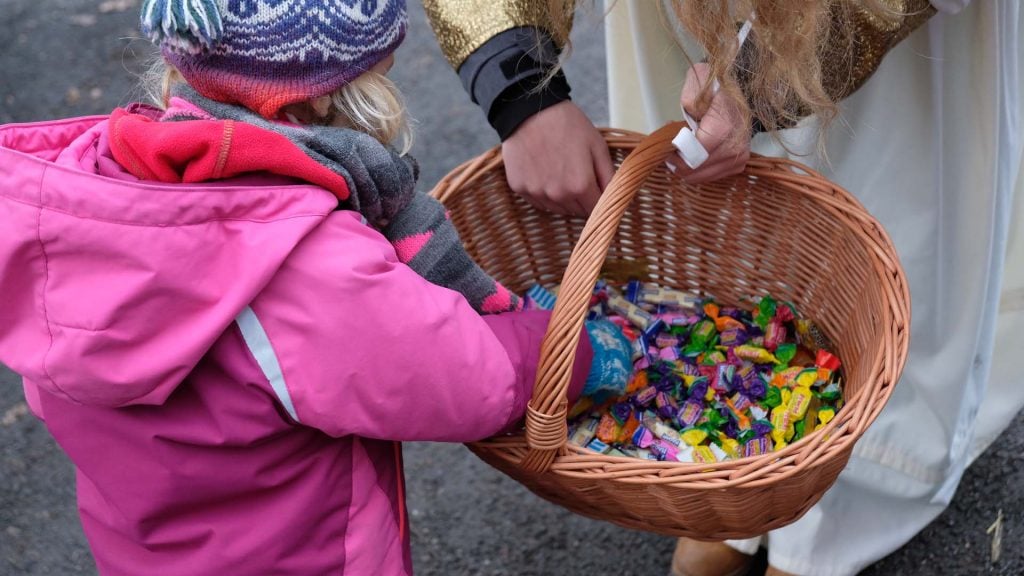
[[259, 344]]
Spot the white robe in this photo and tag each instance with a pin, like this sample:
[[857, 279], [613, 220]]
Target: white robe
[[932, 145]]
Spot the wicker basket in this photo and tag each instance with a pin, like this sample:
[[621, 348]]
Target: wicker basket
[[777, 228]]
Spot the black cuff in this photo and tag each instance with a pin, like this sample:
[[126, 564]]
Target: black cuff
[[524, 99], [505, 77]]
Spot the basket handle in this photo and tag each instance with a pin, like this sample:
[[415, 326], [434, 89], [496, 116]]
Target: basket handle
[[546, 428]]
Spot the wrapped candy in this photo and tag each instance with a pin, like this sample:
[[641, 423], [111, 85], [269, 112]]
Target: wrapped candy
[[636, 316], [643, 437], [774, 335], [663, 296], [712, 382], [755, 354], [704, 454], [667, 407], [608, 429], [690, 413], [827, 360], [664, 451], [757, 446], [584, 432]]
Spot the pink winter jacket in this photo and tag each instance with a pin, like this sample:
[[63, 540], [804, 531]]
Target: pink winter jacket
[[229, 365]]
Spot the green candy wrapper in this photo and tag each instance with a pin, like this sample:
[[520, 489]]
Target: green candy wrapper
[[772, 398]]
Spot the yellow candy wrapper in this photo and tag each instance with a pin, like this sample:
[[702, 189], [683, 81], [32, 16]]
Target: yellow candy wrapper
[[825, 415], [799, 402], [755, 354], [731, 447], [704, 455], [694, 436]]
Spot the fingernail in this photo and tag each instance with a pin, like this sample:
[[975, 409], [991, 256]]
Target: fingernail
[[715, 86], [690, 149]]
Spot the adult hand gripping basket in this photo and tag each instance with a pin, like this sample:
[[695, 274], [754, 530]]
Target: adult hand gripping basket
[[777, 228]]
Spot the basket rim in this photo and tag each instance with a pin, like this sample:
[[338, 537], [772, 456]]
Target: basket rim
[[811, 451]]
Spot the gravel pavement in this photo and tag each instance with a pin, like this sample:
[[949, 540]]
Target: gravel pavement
[[62, 58]]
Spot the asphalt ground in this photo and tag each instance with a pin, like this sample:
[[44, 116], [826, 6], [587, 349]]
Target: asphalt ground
[[61, 58]]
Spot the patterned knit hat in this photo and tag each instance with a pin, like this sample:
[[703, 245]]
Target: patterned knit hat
[[266, 54]]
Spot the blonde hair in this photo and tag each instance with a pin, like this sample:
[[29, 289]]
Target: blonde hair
[[780, 77], [781, 69], [371, 104]]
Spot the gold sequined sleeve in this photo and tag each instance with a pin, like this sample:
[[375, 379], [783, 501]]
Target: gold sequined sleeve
[[848, 67], [462, 26]]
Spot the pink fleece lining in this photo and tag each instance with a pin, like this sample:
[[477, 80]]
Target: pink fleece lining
[[182, 107]]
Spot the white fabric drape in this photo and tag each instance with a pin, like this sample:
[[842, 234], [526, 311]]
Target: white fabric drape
[[932, 145]]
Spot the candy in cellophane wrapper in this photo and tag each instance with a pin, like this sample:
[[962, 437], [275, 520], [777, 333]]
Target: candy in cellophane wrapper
[[710, 383]]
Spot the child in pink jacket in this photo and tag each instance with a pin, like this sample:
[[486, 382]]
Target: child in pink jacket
[[230, 312]]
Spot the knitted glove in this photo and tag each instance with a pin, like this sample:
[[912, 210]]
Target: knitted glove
[[613, 360], [427, 241]]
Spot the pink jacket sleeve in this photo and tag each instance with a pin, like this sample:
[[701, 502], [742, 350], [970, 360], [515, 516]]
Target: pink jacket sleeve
[[366, 346]]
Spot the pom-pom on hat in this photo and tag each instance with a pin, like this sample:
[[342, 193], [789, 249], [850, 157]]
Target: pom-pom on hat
[[266, 54]]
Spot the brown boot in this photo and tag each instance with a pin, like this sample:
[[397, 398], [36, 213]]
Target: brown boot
[[776, 572], [696, 558]]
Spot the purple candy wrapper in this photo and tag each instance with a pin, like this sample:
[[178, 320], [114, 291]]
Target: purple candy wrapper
[[621, 412], [691, 370], [762, 427], [723, 378], [690, 413], [733, 337], [757, 388], [645, 396], [699, 388], [667, 407], [741, 401], [757, 446]]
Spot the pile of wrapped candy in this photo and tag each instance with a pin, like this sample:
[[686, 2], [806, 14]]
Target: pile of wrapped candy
[[710, 383]]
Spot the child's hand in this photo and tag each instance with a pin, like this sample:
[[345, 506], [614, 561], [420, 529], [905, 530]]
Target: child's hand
[[612, 365]]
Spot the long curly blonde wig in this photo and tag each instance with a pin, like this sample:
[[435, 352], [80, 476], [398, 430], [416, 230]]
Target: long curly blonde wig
[[779, 75]]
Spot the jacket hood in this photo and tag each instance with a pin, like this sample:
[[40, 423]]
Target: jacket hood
[[113, 288]]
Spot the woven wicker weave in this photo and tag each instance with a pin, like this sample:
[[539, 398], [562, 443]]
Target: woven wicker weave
[[778, 228]]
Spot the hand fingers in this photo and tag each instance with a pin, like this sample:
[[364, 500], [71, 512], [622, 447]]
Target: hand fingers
[[696, 79], [719, 125], [677, 166], [535, 197], [603, 172], [682, 170], [715, 168], [579, 199], [603, 167], [716, 171]]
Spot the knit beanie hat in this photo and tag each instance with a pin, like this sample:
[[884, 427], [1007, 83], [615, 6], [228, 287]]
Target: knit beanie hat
[[266, 54]]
